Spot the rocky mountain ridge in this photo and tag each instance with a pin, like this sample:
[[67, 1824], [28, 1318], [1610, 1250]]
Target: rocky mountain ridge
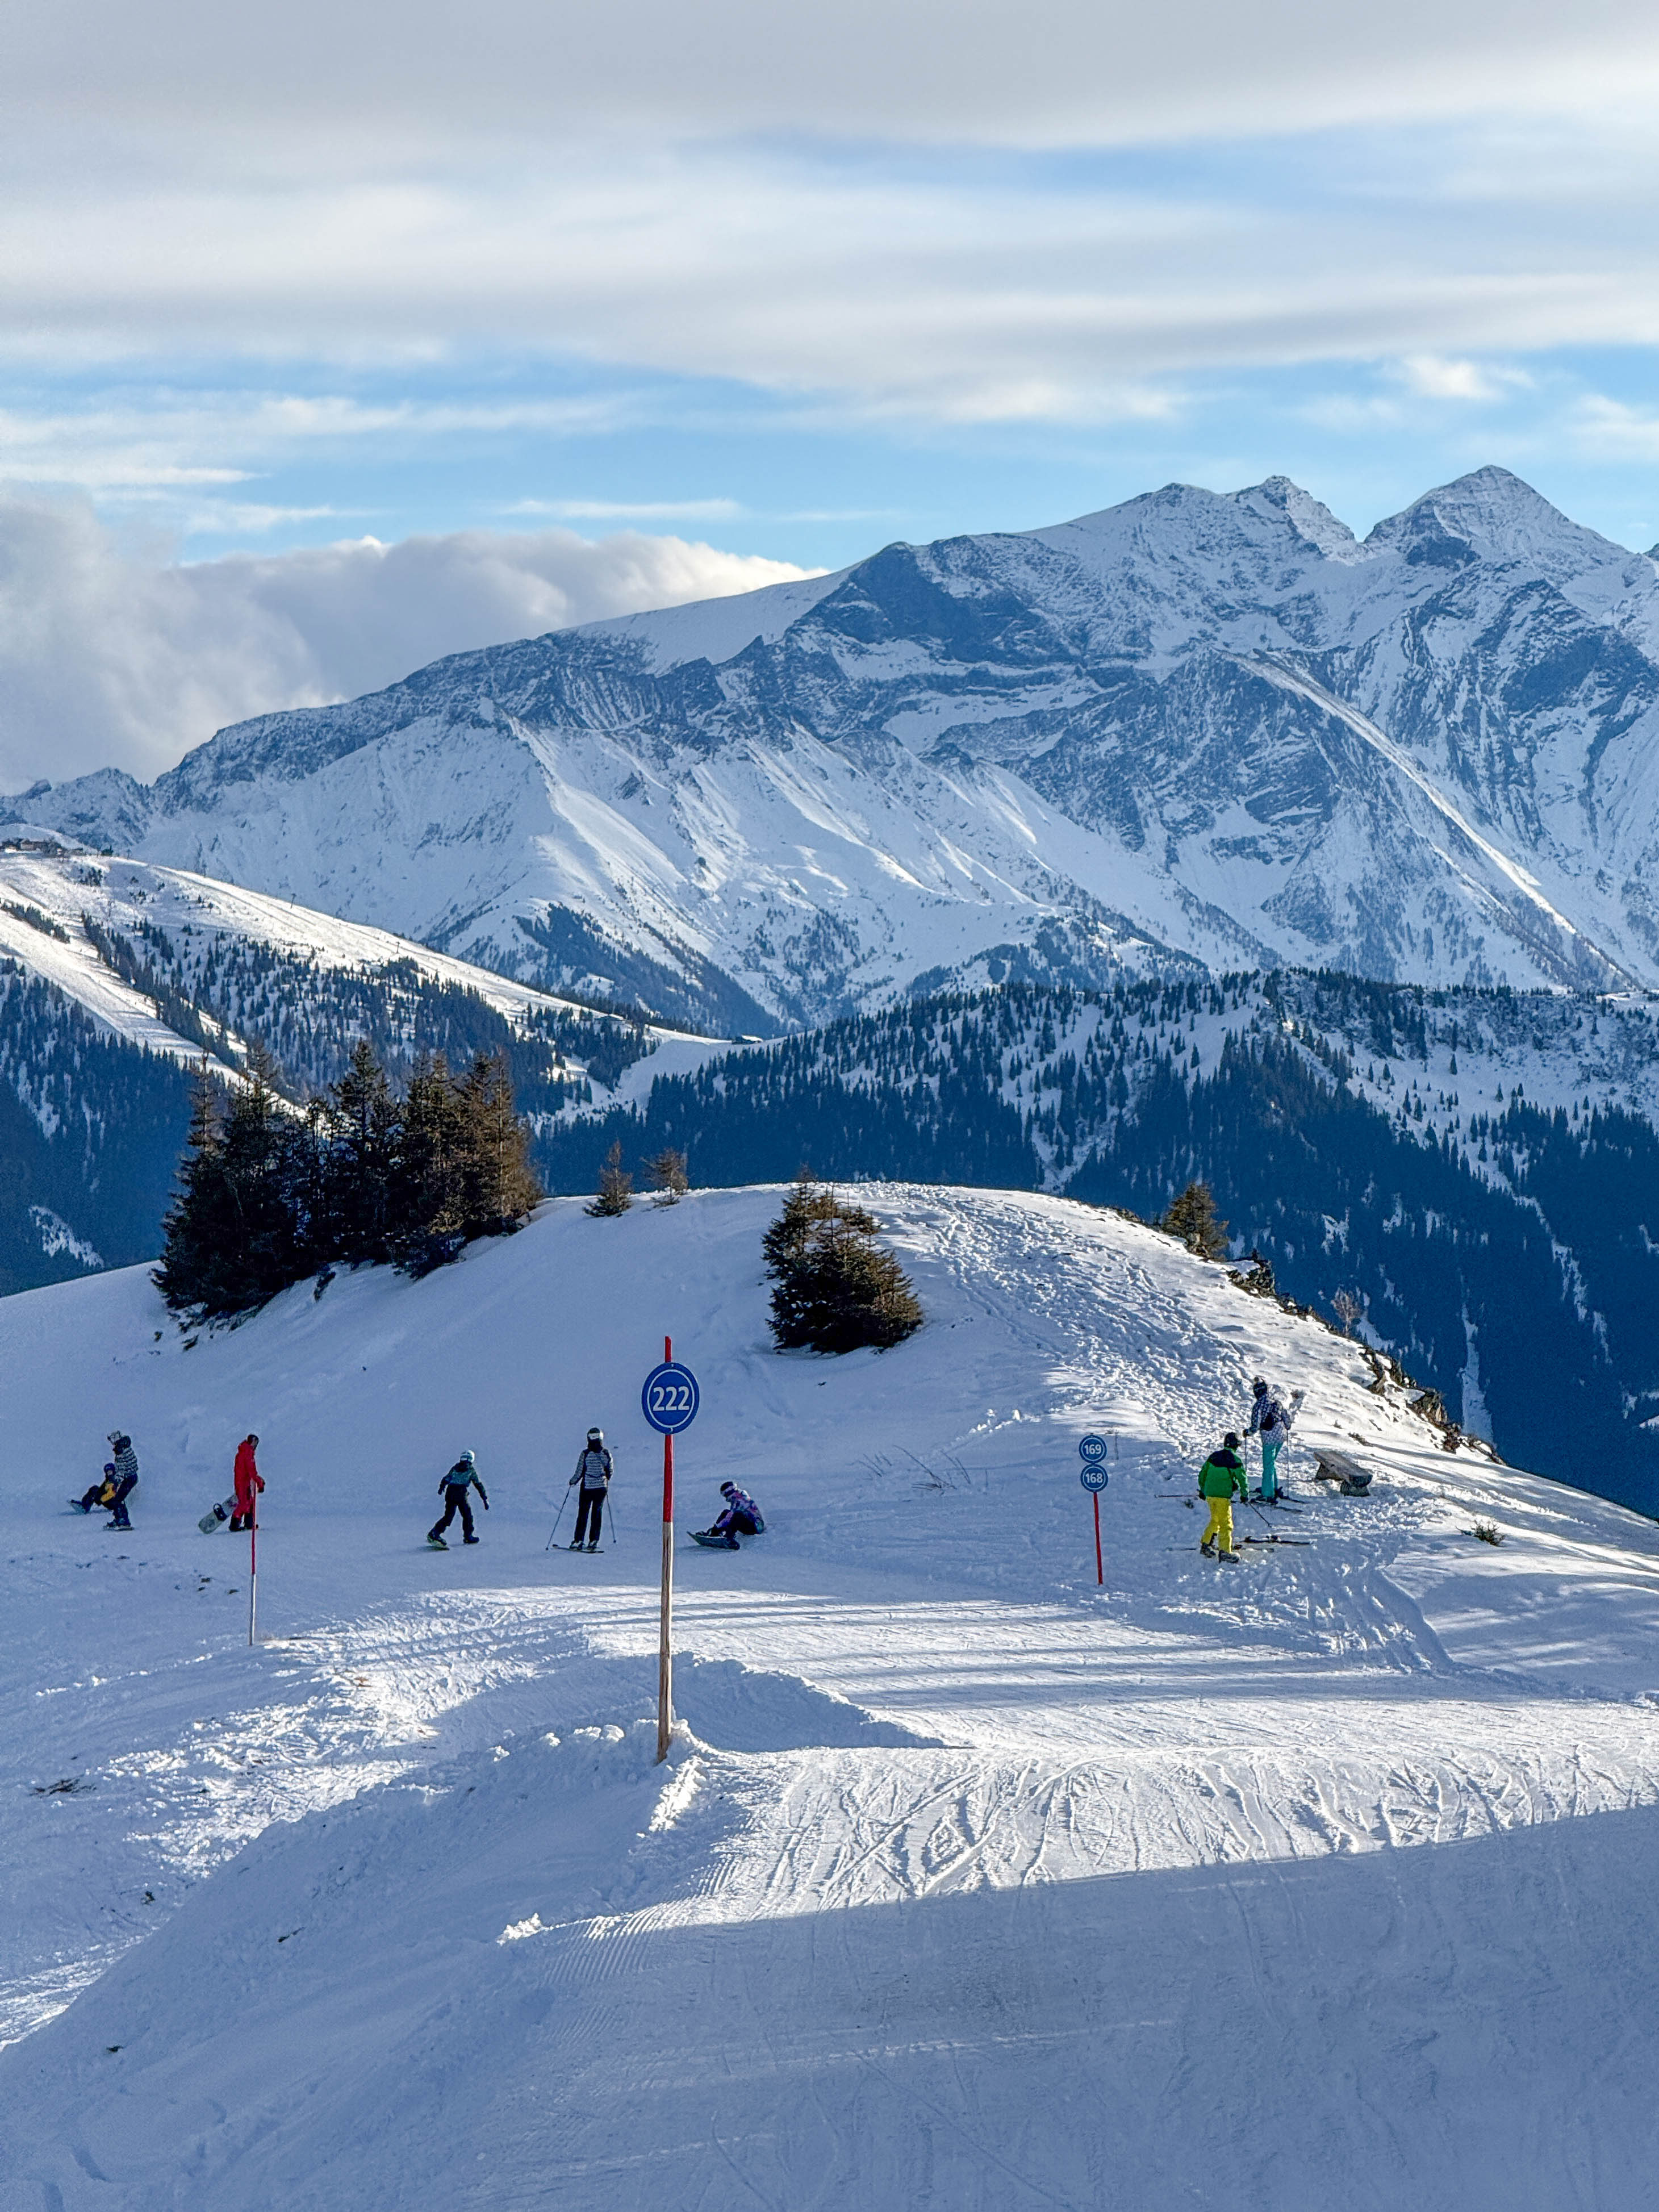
[[1196, 728]]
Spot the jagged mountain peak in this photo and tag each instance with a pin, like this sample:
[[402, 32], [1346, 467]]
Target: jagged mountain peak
[[1197, 725], [1491, 515]]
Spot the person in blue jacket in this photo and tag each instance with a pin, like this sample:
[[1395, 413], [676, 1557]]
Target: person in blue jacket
[[461, 1478]]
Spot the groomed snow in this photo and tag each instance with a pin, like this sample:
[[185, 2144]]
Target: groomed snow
[[1324, 1878]]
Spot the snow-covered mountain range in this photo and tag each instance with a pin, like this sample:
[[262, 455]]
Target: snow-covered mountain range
[[1194, 727]]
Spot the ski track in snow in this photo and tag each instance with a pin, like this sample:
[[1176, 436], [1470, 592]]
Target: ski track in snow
[[965, 1885]]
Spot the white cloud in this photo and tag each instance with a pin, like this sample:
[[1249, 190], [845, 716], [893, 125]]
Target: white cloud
[[1612, 431], [1431, 376], [343, 86], [111, 658]]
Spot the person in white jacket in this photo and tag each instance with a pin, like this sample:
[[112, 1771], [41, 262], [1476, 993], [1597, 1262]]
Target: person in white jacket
[[593, 1473], [1270, 1419]]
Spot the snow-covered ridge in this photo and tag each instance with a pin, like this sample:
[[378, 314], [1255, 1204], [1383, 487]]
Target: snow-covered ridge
[[182, 927], [962, 1873], [1196, 727]]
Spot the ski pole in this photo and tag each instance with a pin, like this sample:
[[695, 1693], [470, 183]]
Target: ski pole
[[557, 1517], [611, 1503]]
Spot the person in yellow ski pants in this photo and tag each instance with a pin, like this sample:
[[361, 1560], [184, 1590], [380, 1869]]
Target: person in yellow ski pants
[[1222, 1475]]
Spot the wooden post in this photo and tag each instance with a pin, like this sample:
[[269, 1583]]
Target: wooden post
[[664, 1654]]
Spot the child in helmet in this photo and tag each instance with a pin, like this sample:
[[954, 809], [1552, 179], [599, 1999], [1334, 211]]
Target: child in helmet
[[461, 1478], [742, 1516]]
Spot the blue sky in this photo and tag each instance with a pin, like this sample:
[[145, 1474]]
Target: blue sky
[[783, 285]]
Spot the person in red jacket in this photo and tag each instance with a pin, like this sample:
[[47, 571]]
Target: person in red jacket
[[248, 1479]]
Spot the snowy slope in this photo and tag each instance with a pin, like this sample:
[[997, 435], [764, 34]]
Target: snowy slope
[[1320, 1878], [130, 896], [1194, 726]]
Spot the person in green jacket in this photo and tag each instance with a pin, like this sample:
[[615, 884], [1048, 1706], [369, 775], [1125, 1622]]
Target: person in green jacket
[[1222, 1475]]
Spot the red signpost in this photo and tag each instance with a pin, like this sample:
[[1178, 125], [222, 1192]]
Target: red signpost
[[1100, 1571], [669, 1402], [664, 1655], [252, 1565]]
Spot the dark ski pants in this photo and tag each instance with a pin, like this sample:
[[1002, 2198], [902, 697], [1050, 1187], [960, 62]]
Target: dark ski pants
[[118, 1505], [455, 1501], [590, 1511]]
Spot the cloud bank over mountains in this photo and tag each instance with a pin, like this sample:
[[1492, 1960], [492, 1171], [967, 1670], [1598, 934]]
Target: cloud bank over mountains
[[111, 657]]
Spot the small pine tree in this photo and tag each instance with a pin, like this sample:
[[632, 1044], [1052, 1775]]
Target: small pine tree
[[1192, 1219], [835, 1289], [616, 1193], [667, 1174]]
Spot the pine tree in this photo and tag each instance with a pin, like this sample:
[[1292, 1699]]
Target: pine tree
[[425, 1194], [835, 1289], [616, 1193], [193, 1233], [1192, 1218], [666, 1169], [497, 1184], [362, 1121]]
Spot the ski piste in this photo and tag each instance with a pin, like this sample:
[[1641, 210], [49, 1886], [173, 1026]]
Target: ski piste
[[916, 1746]]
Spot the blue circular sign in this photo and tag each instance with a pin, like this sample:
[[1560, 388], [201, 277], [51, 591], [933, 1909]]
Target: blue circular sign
[[670, 1398], [1093, 1449], [1094, 1478]]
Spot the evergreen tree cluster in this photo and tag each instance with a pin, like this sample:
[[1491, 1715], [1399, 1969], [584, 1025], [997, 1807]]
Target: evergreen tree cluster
[[368, 1173], [833, 1287]]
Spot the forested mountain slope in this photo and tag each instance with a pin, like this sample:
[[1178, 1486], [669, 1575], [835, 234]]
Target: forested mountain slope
[[1480, 1169]]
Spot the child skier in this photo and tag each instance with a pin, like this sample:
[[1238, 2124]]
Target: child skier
[[248, 1479], [593, 1473], [1270, 1419], [742, 1517], [1222, 1473], [461, 1477]]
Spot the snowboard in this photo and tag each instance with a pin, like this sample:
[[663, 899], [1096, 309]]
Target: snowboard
[[216, 1516], [711, 1543]]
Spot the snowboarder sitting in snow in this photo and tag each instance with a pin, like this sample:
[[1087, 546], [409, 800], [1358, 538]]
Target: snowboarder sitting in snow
[[461, 1477], [1222, 1473], [120, 1480], [102, 1492], [593, 1472], [248, 1479], [742, 1516], [1270, 1419]]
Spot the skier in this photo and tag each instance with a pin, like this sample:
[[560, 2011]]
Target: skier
[[1270, 1419], [593, 1473], [742, 1517], [454, 1487], [248, 1479], [1222, 1473]]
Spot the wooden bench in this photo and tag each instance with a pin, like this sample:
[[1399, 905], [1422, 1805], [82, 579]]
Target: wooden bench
[[1350, 1478]]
